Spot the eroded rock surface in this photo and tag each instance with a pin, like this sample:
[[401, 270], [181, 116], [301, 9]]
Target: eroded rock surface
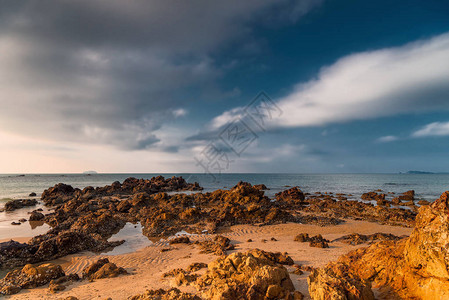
[[102, 268], [29, 277], [246, 275], [409, 268], [17, 204], [161, 294]]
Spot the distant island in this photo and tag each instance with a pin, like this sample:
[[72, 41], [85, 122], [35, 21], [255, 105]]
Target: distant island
[[423, 172], [90, 172]]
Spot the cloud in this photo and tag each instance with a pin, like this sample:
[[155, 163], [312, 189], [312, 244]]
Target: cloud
[[413, 78], [387, 139], [433, 129], [180, 112], [112, 72]]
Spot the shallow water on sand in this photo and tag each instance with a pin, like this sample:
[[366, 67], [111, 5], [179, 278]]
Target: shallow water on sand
[[134, 240]]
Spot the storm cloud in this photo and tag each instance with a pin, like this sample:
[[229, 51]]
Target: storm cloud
[[112, 72]]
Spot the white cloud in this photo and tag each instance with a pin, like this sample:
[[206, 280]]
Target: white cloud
[[433, 129], [180, 112], [366, 85], [386, 139]]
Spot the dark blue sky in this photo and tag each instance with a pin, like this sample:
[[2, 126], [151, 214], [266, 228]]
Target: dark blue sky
[[146, 86]]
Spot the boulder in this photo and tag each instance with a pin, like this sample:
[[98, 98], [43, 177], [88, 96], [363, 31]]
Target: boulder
[[20, 203], [246, 275], [36, 216], [334, 282], [29, 277], [292, 196], [102, 269], [219, 245]]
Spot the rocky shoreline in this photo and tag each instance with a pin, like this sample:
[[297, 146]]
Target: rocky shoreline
[[85, 219]]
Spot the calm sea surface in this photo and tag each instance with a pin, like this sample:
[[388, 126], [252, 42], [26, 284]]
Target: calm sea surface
[[426, 186]]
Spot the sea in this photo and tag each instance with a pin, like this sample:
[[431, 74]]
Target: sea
[[19, 186]]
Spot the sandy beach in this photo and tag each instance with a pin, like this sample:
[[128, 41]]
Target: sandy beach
[[147, 265]]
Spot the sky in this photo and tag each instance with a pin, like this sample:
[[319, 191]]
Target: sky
[[306, 86]]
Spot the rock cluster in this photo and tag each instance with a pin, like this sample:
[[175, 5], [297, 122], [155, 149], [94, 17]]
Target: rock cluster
[[161, 294], [334, 282], [49, 246], [29, 277], [351, 209], [357, 239], [102, 269], [17, 204], [414, 267], [61, 193], [316, 241], [247, 275], [219, 245]]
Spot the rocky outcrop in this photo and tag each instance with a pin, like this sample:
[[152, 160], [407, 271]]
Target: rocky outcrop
[[61, 193], [57, 194], [407, 197], [316, 241], [246, 275], [329, 207], [36, 216], [292, 196], [334, 282], [161, 294], [357, 239], [219, 245], [102, 268], [50, 246], [410, 268], [17, 204], [29, 277]]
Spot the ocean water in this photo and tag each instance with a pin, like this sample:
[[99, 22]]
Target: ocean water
[[426, 186]]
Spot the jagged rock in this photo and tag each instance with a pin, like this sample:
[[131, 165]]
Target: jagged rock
[[57, 285], [196, 266], [407, 196], [292, 196], [361, 211], [410, 268], [373, 196], [333, 282], [219, 245], [20, 203], [48, 247], [244, 275], [57, 194], [315, 241], [423, 202], [261, 187], [357, 239], [180, 240], [29, 277], [161, 294], [102, 269]]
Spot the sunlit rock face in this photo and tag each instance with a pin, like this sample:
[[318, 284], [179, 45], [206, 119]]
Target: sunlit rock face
[[411, 268]]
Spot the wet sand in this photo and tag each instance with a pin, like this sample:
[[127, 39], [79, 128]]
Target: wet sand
[[147, 265]]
